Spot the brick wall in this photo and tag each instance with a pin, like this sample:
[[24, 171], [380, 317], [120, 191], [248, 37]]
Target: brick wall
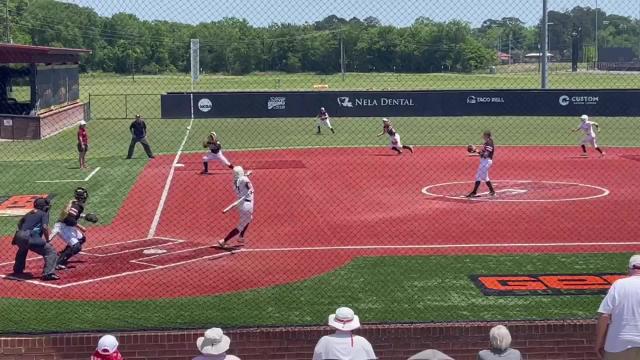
[[536, 340], [63, 118]]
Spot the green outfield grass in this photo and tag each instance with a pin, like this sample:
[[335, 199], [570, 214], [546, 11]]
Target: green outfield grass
[[420, 289], [98, 83]]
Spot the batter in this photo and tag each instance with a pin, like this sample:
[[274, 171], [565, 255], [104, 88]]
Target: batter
[[243, 188]]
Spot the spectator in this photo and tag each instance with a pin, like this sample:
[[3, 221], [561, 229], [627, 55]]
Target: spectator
[[107, 349], [430, 354], [214, 345], [500, 340], [83, 143], [138, 130], [343, 345], [619, 319]]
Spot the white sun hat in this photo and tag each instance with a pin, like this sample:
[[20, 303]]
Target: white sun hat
[[344, 319], [214, 342], [107, 345], [634, 262]]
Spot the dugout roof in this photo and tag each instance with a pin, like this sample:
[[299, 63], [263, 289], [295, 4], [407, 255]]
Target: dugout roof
[[16, 53]]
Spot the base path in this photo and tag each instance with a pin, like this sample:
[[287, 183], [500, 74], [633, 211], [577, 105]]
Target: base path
[[317, 209]]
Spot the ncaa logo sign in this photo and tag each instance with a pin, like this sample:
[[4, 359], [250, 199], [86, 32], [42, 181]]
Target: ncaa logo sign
[[205, 105], [564, 100]]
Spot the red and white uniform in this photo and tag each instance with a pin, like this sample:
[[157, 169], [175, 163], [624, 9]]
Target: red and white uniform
[[394, 137], [486, 161], [324, 119], [215, 153], [590, 135]]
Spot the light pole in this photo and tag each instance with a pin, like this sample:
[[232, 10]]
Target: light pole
[[544, 80], [6, 20], [597, 52]]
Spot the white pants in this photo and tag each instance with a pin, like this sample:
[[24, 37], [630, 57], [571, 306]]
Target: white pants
[[70, 234], [219, 156], [245, 210], [395, 141], [326, 123], [483, 170], [590, 140]]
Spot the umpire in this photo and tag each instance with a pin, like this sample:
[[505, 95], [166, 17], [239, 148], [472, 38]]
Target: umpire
[[138, 131], [33, 234]]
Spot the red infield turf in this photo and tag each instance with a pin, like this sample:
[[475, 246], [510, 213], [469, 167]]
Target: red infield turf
[[317, 209]]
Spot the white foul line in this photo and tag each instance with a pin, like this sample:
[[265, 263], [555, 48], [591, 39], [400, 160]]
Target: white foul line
[[167, 185], [80, 180]]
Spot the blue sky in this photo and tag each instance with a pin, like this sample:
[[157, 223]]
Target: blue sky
[[394, 12]]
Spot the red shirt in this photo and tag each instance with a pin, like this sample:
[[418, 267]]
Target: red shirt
[[83, 136], [115, 356]]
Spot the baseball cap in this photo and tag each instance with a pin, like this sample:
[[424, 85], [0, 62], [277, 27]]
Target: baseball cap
[[82, 122], [634, 262], [584, 117]]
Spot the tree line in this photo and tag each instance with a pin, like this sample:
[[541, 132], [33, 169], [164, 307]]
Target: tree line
[[123, 43]]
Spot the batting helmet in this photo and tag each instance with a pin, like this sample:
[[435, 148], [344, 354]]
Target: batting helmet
[[238, 172], [81, 194]]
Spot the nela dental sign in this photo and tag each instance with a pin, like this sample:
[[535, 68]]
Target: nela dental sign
[[383, 101]]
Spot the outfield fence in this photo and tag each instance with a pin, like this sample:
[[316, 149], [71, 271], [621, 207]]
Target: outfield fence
[[345, 213]]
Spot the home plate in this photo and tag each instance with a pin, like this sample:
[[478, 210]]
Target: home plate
[[154, 251], [178, 165]]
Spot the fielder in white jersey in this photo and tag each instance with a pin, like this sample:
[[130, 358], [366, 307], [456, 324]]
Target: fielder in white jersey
[[215, 153], [243, 188], [394, 138], [324, 119], [591, 130]]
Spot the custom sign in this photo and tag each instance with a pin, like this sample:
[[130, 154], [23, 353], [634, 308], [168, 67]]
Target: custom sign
[[545, 284]]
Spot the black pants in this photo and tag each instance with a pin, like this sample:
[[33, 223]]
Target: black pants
[[145, 145], [68, 252], [47, 251]]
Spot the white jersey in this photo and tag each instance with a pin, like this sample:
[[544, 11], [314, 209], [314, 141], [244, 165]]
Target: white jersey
[[587, 128], [343, 345], [243, 188]]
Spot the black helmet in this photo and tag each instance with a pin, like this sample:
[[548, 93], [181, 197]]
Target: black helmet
[[81, 194], [42, 204]]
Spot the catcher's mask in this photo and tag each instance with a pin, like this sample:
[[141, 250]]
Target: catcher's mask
[[42, 204], [81, 194]]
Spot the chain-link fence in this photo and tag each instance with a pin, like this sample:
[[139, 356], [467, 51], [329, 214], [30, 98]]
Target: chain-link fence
[[397, 218]]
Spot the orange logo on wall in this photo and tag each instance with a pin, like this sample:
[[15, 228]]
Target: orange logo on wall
[[18, 205], [546, 284]]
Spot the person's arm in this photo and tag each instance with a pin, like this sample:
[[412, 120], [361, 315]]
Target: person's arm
[[20, 222], [601, 332], [131, 127], [597, 126], [144, 129]]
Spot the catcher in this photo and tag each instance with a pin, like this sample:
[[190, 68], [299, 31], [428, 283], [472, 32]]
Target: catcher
[[215, 153], [69, 228]]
